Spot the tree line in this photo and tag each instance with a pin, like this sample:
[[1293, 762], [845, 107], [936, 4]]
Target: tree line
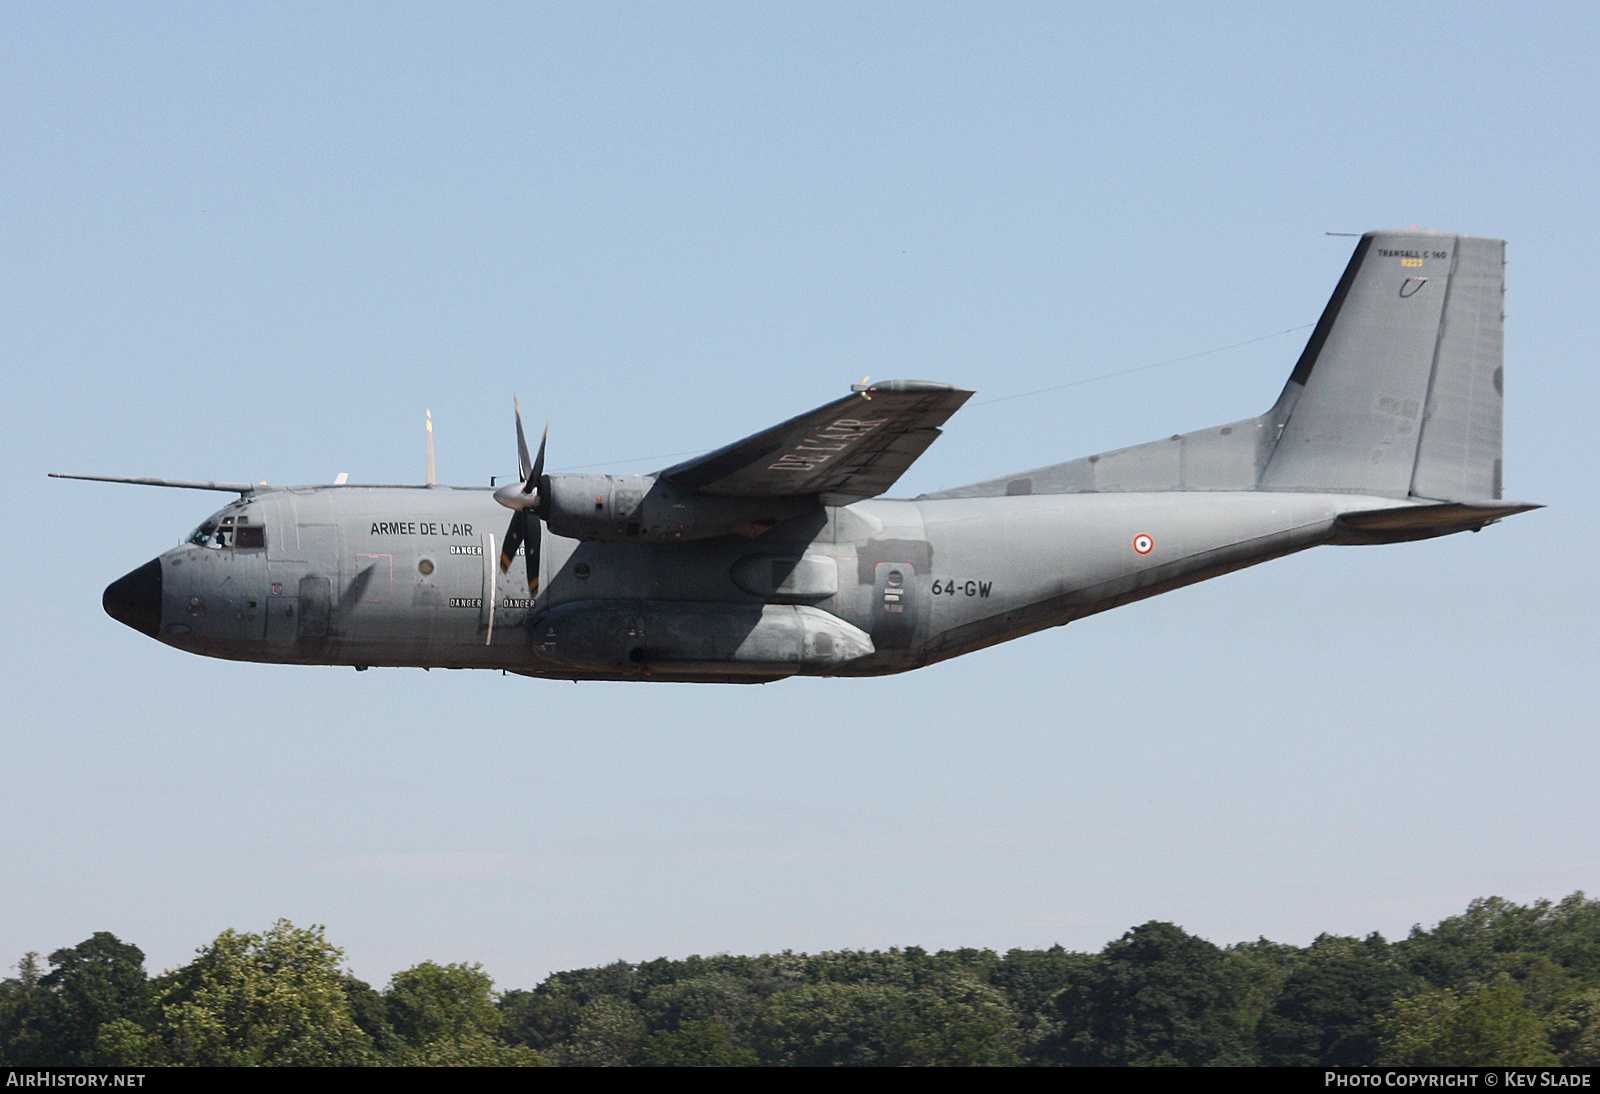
[[1502, 983]]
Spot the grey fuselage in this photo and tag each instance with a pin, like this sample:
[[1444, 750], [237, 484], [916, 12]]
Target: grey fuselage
[[409, 576]]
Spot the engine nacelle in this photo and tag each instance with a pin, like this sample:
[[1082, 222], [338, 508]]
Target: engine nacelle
[[644, 509]]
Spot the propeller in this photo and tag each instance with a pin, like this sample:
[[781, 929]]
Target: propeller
[[523, 499]]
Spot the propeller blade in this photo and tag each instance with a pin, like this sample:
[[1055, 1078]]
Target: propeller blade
[[514, 537], [536, 473], [525, 531], [534, 543], [536, 539], [522, 443]]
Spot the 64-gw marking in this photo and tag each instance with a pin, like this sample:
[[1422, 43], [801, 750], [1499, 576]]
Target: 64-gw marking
[[965, 588]]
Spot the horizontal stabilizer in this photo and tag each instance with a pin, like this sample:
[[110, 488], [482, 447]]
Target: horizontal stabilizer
[[1408, 522]]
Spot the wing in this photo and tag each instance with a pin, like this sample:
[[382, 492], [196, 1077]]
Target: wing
[[852, 448]]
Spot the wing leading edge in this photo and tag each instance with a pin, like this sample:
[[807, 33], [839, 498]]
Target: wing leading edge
[[849, 449]]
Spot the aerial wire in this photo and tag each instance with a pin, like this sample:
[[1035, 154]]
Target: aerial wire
[[1142, 368], [1007, 398]]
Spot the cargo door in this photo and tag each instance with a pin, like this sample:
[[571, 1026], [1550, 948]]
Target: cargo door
[[314, 611]]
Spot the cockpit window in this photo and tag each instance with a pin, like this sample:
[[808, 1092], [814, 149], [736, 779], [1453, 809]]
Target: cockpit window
[[230, 531]]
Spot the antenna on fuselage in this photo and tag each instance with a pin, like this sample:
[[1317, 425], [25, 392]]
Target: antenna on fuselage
[[430, 447]]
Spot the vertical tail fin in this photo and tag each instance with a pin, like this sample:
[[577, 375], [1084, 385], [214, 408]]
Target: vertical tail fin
[[1398, 392]]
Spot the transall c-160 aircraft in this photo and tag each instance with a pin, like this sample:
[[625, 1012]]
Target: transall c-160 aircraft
[[776, 555]]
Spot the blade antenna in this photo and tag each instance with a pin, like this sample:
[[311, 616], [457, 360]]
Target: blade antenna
[[430, 447]]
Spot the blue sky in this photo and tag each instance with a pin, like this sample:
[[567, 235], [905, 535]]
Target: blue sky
[[258, 242]]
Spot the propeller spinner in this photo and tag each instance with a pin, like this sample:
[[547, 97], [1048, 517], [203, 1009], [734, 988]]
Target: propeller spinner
[[524, 500]]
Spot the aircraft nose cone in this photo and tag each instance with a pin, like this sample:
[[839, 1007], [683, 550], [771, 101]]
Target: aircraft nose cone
[[135, 599]]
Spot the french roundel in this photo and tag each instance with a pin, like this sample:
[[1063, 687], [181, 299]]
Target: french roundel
[[1143, 544]]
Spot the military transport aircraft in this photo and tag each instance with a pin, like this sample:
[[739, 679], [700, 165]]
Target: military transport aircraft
[[776, 555]]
